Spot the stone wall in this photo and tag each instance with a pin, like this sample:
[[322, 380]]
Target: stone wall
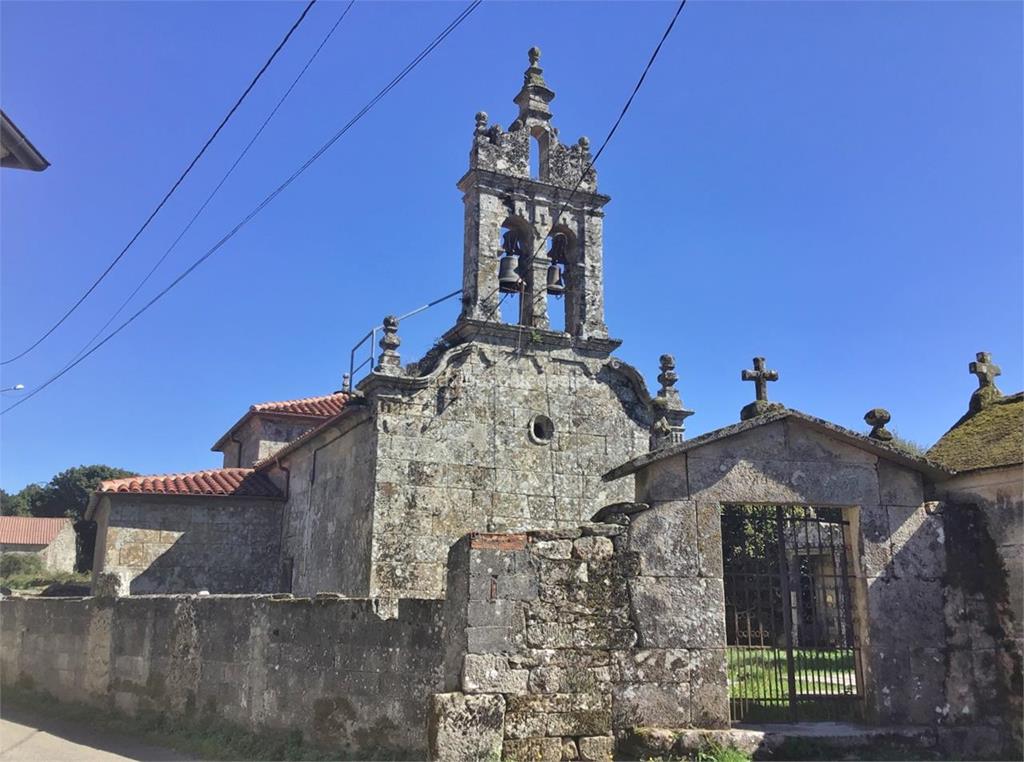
[[896, 543], [456, 452], [561, 640], [342, 672], [60, 554], [175, 544], [328, 516]]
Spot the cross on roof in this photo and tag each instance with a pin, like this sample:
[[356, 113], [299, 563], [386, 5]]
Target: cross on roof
[[985, 370], [760, 377]]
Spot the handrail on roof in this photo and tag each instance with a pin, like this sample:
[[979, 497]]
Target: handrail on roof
[[371, 336]]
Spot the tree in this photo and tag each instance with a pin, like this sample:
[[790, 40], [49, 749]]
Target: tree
[[67, 493], [21, 503]]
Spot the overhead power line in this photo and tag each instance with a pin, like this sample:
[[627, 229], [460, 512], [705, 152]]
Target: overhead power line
[[219, 185], [169, 193], [266, 201], [604, 143]]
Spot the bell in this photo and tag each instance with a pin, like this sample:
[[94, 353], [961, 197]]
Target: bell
[[556, 285], [508, 278]]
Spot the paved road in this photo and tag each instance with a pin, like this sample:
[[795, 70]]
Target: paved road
[[29, 736]]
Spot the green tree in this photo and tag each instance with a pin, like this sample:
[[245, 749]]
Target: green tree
[[67, 493], [21, 503]]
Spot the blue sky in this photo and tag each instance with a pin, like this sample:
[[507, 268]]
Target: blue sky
[[836, 186]]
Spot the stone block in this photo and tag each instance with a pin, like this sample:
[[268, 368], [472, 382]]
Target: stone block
[[533, 750], [464, 727], [592, 548], [491, 673], [899, 485], [917, 539], [709, 689], [490, 613], [653, 665], [554, 549], [490, 640], [679, 613], [666, 706], [665, 537], [597, 748], [709, 540]]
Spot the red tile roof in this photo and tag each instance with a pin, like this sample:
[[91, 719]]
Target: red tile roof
[[227, 482], [26, 530], [316, 408], [319, 407]]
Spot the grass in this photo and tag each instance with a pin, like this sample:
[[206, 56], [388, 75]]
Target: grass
[[35, 581], [711, 752], [761, 673], [204, 737]]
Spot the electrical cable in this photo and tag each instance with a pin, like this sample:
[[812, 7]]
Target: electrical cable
[[266, 201], [169, 193]]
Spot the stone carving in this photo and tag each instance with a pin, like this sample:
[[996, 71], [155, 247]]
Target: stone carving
[[390, 362], [760, 376], [876, 418], [668, 410], [987, 391]]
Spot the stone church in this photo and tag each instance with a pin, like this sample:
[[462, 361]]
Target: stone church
[[509, 549]]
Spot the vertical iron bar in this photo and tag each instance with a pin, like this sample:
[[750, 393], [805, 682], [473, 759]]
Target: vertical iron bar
[[787, 613]]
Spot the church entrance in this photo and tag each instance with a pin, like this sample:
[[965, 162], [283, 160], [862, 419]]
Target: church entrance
[[792, 653]]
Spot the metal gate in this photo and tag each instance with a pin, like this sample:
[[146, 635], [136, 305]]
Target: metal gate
[[792, 650]]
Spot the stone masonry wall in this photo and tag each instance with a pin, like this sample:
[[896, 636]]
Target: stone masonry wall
[[349, 676], [60, 554], [560, 640], [459, 455], [160, 544]]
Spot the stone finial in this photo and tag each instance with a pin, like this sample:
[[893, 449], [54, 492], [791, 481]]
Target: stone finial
[[987, 391], [760, 376], [876, 418], [390, 361], [668, 411], [346, 383], [481, 123], [534, 97]]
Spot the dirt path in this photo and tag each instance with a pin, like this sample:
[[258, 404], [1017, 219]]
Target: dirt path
[[27, 735]]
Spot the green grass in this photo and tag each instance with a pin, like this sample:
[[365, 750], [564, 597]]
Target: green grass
[[34, 581], [761, 673]]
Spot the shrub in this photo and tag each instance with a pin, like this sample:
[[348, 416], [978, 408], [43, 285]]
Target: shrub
[[20, 563]]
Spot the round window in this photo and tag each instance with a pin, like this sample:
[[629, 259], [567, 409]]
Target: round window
[[541, 429]]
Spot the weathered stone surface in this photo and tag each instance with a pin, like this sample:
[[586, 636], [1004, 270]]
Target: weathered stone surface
[[679, 612], [489, 673], [651, 704], [533, 750], [597, 748], [466, 727], [665, 538]]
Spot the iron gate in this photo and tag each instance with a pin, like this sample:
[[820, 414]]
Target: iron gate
[[792, 650]]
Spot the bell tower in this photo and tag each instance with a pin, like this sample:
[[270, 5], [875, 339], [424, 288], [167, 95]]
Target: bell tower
[[533, 222]]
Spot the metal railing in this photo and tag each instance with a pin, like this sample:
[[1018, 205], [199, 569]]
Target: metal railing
[[371, 337]]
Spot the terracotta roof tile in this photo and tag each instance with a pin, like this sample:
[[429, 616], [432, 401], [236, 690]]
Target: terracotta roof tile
[[233, 482], [320, 407], [27, 530]]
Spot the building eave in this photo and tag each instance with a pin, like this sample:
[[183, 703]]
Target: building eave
[[21, 153]]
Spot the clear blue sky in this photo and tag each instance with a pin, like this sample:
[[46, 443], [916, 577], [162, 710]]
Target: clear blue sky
[[834, 186]]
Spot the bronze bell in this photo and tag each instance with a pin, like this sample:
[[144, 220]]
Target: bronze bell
[[508, 278], [556, 285]]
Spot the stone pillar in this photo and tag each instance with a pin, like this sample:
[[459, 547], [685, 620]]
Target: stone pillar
[[484, 215]]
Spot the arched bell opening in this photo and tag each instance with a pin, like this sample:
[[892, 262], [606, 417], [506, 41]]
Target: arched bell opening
[[512, 268], [561, 254]]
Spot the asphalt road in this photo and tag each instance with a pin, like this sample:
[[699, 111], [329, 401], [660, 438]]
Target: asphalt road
[[27, 735]]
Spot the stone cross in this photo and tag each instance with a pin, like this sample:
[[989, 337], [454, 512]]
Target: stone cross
[[985, 369], [760, 377], [389, 362], [987, 391]]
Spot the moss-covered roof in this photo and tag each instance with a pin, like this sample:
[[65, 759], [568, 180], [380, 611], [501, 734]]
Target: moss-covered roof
[[991, 437]]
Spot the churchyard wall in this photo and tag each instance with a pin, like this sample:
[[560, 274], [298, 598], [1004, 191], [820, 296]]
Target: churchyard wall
[[162, 543], [350, 675]]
